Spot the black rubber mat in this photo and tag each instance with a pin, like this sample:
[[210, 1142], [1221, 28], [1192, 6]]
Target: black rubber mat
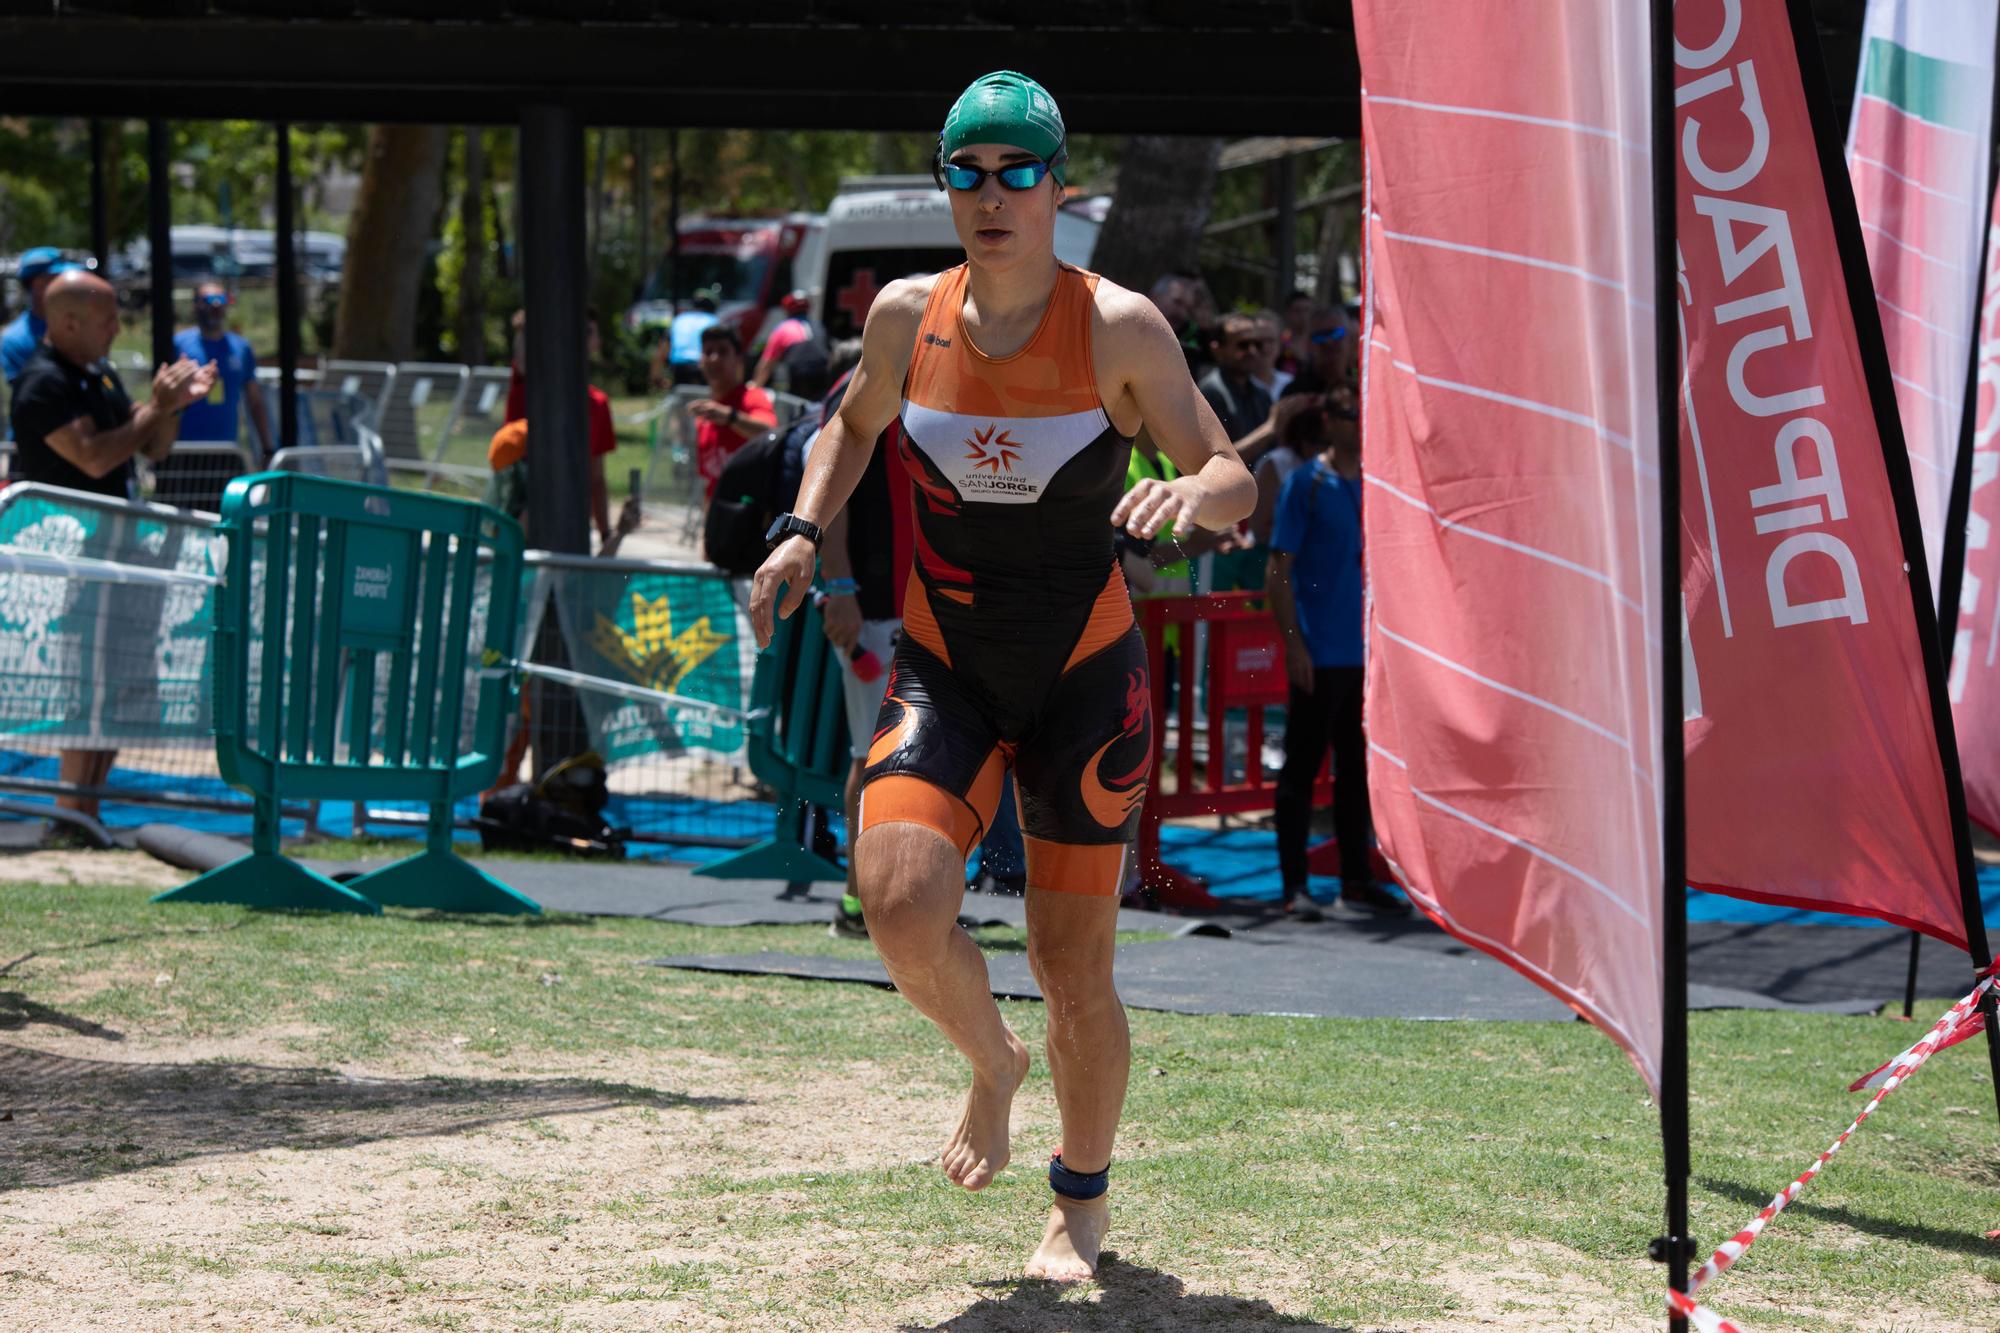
[[1210, 976]]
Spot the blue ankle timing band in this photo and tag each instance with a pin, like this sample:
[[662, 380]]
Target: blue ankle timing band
[[1075, 1184]]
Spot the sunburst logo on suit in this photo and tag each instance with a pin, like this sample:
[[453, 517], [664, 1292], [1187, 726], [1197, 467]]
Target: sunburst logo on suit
[[992, 449], [650, 650]]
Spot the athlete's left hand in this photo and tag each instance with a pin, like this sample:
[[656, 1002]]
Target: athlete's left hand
[[1155, 506]]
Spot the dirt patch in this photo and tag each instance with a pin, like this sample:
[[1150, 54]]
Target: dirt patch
[[156, 1185], [113, 868]]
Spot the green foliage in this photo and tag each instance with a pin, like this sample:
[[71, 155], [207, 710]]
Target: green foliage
[[224, 171]]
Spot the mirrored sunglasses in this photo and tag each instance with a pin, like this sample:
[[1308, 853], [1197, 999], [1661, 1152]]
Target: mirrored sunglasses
[[1015, 176]]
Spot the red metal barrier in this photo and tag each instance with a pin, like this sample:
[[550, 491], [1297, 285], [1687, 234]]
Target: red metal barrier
[[1246, 666]]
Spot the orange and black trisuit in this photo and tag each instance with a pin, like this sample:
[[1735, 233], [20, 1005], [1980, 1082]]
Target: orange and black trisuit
[[1018, 643]]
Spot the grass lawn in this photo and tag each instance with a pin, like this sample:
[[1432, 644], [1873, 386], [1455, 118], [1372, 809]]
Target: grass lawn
[[230, 1119]]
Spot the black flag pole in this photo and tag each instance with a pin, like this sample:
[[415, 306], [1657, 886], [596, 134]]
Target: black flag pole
[[1676, 1248], [1896, 461], [1951, 562]]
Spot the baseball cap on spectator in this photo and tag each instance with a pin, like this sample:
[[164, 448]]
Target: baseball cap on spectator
[[796, 303], [41, 262]]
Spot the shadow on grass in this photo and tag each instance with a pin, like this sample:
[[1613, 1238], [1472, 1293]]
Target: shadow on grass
[[75, 1120], [1938, 1238], [1134, 1297], [17, 1011]]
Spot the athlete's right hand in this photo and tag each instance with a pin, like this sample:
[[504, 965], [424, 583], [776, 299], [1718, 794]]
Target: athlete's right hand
[[790, 566]]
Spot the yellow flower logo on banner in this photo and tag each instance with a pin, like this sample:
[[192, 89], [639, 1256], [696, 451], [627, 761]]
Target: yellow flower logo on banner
[[652, 653]]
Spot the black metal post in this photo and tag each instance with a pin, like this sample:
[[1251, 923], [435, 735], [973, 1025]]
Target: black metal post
[[550, 186], [1285, 237], [1910, 981], [159, 240], [1677, 1247], [100, 202], [1896, 462], [288, 295]]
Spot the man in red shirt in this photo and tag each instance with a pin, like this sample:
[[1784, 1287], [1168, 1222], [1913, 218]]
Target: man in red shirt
[[733, 412], [597, 413]]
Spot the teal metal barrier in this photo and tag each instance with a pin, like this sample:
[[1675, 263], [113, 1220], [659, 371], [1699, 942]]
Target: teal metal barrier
[[349, 621], [797, 746]]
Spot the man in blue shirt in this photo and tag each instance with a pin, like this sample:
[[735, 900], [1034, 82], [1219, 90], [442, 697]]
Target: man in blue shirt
[[218, 417], [1314, 580], [18, 341], [678, 357]]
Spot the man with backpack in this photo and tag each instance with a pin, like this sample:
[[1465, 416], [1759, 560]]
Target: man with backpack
[[795, 356]]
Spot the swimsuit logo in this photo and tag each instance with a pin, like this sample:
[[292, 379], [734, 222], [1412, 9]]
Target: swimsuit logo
[[1113, 799], [936, 341], [651, 653], [993, 449]]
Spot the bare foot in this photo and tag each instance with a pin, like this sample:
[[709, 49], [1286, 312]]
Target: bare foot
[[979, 1147], [1070, 1245]]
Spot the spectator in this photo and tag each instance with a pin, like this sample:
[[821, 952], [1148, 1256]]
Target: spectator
[[219, 416], [1190, 311], [1315, 586], [597, 417], [18, 341], [795, 353], [1331, 367], [1231, 388], [864, 564], [1269, 375], [1305, 437], [733, 411], [1293, 350], [678, 357], [75, 427]]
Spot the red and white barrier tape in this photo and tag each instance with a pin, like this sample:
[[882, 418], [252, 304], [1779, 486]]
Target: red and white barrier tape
[[1704, 1319], [1951, 1028]]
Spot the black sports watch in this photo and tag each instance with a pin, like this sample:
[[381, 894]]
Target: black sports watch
[[789, 526]]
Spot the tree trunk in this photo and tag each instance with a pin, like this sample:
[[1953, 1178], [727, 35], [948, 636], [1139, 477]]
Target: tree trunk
[[642, 204], [1165, 186], [1332, 240], [472, 277], [394, 215], [595, 240]]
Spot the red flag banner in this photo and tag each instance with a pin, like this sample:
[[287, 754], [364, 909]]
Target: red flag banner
[[1511, 468], [1814, 776], [1975, 654]]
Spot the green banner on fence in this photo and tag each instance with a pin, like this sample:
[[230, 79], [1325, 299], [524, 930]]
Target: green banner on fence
[[680, 632]]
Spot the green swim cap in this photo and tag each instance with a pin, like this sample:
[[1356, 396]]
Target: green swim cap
[[1005, 107]]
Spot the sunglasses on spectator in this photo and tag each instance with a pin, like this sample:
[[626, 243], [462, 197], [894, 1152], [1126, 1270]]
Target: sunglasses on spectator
[[1321, 337], [1253, 344], [216, 299], [1014, 176]]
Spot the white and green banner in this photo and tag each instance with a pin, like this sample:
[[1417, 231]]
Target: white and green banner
[[99, 654], [1918, 152]]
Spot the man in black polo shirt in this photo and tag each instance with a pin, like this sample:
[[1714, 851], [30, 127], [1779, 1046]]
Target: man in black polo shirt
[[74, 427]]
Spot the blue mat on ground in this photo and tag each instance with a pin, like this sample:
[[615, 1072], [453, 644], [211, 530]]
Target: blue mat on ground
[[1241, 864]]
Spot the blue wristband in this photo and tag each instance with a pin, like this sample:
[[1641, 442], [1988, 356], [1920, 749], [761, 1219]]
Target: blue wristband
[[840, 588]]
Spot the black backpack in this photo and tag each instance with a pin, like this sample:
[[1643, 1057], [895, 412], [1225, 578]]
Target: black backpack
[[563, 812], [759, 482]]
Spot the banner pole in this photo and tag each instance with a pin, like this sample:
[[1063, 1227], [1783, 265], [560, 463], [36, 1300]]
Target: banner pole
[[1951, 571], [1676, 1248], [1896, 462]]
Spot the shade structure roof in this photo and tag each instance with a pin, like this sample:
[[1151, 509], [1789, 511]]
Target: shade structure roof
[[1230, 67]]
